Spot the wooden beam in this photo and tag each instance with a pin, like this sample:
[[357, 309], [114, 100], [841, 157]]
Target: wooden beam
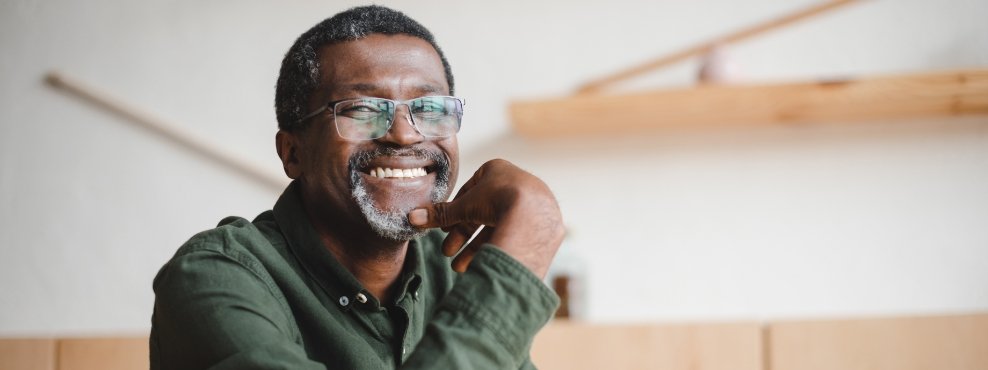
[[174, 133], [705, 47], [899, 97]]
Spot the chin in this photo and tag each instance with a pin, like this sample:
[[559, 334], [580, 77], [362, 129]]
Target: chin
[[392, 226], [391, 223]]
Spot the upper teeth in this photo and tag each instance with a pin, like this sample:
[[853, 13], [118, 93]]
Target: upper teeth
[[397, 172]]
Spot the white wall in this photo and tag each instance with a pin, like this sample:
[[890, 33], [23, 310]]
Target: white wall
[[827, 219]]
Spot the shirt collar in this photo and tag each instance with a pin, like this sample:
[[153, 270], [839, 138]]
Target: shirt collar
[[334, 279]]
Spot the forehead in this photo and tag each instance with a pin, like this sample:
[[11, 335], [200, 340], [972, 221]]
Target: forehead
[[387, 66]]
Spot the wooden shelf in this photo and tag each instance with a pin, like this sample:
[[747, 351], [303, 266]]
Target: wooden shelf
[[935, 94]]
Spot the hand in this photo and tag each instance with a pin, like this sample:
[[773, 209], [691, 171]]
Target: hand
[[518, 213]]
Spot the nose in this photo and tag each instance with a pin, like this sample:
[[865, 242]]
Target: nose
[[402, 131]]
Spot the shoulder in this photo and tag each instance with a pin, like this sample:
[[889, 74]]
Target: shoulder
[[224, 264], [216, 295], [232, 235], [229, 246]]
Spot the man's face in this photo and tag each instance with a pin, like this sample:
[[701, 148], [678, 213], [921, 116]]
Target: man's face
[[335, 173]]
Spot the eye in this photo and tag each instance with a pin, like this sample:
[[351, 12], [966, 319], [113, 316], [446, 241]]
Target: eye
[[429, 107], [359, 109]]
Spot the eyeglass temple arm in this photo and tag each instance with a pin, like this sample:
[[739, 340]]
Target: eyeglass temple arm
[[313, 114]]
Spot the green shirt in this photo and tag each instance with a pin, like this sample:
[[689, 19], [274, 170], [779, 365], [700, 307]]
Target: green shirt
[[268, 295]]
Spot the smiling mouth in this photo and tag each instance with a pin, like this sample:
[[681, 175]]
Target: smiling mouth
[[381, 172]]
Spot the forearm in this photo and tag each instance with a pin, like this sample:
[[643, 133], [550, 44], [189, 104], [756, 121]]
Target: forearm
[[488, 319]]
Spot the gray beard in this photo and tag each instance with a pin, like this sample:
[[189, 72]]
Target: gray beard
[[393, 224]]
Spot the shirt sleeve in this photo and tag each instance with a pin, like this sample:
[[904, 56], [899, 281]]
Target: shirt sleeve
[[212, 312], [488, 319]]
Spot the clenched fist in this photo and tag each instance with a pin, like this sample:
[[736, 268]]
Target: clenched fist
[[517, 210]]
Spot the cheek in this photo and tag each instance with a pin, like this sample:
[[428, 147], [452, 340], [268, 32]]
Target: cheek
[[327, 156], [451, 147]]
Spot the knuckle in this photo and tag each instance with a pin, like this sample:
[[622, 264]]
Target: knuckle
[[439, 214], [496, 162]]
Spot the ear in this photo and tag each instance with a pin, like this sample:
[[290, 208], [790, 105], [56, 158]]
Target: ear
[[288, 145]]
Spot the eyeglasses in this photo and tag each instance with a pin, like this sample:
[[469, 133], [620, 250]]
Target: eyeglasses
[[371, 118]]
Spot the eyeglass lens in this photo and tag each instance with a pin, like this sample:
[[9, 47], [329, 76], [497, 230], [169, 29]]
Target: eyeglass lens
[[371, 118]]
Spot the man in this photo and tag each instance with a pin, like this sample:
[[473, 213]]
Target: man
[[346, 271]]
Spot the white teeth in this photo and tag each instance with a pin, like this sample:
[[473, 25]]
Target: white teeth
[[398, 172]]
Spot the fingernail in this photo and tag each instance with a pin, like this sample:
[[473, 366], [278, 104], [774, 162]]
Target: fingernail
[[418, 216]]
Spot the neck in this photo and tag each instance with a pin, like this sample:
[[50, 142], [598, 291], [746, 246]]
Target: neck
[[375, 262]]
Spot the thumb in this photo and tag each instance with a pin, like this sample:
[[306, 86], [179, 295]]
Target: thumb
[[446, 214], [433, 215], [419, 217]]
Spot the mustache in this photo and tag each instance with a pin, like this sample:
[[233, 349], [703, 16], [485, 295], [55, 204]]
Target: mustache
[[361, 159]]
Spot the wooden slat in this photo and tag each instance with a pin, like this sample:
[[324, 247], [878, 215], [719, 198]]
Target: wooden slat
[[908, 96], [705, 47], [175, 133], [949, 342], [27, 354], [103, 353], [573, 346]]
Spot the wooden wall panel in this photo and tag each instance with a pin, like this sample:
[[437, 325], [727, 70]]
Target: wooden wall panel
[[27, 354], [574, 346], [103, 353], [933, 342], [945, 342]]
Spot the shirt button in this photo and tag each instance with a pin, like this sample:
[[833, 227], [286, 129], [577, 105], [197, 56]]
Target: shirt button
[[404, 350], [416, 294], [361, 298], [344, 301]]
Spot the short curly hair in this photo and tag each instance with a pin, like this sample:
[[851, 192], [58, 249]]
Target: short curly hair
[[299, 75]]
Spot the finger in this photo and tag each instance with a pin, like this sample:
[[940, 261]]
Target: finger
[[457, 237], [462, 261], [419, 217], [463, 210]]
